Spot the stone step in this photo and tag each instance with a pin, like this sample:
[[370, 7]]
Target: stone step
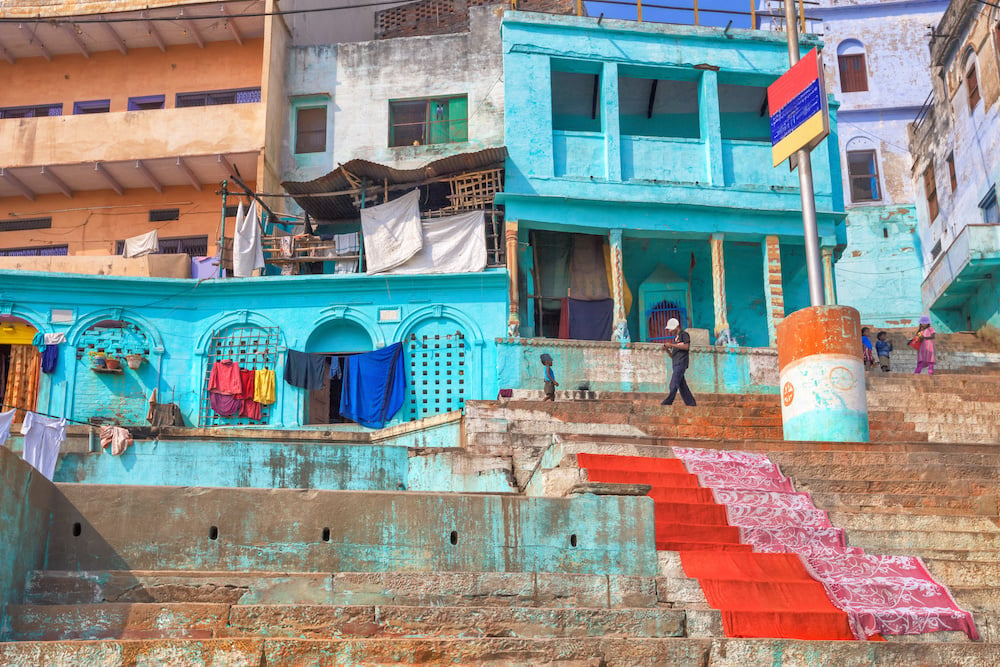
[[494, 652], [878, 458], [977, 598], [895, 486], [191, 620], [967, 573], [914, 504], [903, 522], [903, 541], [887, 472], [451, 589]]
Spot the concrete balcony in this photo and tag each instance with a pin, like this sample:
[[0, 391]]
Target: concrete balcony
[[959, 271], [131, 135]]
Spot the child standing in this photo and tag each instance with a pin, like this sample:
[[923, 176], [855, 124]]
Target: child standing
[[866, 343], [550, 378], [925, 350], [882, 348]]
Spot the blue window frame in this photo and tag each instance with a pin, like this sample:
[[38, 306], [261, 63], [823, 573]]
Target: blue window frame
[[210, 98], [91, 106], [146, 102], [36, 111]]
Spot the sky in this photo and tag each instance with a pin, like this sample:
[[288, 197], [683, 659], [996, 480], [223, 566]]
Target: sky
[[652, 13]]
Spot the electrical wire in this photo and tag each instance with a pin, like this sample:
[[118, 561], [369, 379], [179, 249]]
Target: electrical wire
[[81, 19]]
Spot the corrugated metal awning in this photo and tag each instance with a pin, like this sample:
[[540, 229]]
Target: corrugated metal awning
[[317, 197]]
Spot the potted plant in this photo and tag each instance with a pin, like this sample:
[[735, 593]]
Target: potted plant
[[134, 360], [97, 359], [112, 363]]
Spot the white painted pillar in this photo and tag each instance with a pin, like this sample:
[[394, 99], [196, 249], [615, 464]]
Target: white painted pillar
[[774, 296]]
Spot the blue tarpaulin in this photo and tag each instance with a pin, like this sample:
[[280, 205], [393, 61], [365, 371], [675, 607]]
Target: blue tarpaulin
[[374, 386]]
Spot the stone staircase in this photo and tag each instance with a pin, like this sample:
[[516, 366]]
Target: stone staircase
[[558, 570]]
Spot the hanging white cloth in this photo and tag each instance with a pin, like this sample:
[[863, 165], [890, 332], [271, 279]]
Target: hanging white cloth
[[347, 244], [6, 420], [455, 244], [43, 436], [54, 338], [248, 254], [392, 232], [144, 244]]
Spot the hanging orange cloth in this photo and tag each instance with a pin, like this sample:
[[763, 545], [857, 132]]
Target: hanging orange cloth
[[22, 379]]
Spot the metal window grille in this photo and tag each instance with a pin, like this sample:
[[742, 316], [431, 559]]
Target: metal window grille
[[164, 214], [37, 111], [657, 318], [253, 348], [25, 224], [217, 97], [437, 373], [36, 251]]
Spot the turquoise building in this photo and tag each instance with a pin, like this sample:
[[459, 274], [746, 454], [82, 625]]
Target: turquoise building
[[448, 325], [653, 141]]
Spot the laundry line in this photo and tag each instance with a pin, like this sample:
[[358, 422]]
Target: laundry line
[[44, 414]]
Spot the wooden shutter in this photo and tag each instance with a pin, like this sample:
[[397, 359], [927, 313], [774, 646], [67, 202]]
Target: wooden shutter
[[853, 74]]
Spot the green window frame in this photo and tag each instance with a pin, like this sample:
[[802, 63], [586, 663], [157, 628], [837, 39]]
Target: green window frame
[[430, 120]]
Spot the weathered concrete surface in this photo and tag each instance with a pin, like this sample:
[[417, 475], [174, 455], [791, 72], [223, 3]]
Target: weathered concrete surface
[[26, 501], [451, 589], [130, 527]]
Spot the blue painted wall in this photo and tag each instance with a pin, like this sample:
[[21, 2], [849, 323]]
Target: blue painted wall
[[327, 313], [669, 168]]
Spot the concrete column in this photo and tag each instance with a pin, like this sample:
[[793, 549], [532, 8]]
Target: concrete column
[[711, 126], [828, 288], [620, 332], [514, 319], [719, 291], [610, 122], [822, 375], [774, 297]]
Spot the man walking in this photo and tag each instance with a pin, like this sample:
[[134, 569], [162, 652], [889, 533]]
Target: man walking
[[679, 352]]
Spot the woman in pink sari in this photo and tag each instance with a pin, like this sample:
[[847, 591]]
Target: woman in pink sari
[[925, 353]]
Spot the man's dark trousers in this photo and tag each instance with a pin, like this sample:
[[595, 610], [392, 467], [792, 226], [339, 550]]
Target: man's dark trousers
[[677, 382]]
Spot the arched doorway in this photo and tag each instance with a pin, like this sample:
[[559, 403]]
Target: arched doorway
[[107, 388], [20, 371], [338, 339]]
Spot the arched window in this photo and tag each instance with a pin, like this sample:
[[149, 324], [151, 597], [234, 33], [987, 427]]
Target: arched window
[[853, 71], [971, 79], [862, 170]]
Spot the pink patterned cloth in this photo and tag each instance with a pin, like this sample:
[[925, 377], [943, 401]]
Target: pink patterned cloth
[[887, 595]]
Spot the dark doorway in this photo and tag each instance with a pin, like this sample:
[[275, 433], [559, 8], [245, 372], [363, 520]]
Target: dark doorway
[[324, 404]]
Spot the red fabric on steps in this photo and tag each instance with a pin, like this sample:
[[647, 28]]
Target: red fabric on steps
[[759, 595]]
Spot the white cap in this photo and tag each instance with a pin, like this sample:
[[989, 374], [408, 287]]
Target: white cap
[[672, 324]]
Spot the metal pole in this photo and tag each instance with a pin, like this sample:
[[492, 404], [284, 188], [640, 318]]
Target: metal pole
[[814, 260]]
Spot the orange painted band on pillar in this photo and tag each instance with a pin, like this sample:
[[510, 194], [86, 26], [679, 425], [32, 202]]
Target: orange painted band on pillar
[[822, 375]]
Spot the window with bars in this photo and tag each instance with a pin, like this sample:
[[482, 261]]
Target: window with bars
[[164, 214], [930, 190], [252, 348], [437, 371], [310, 130], [196, 246], [22, 224], [853, 73], [216, 97], [862, 170], [36, 251], [36, 111], [438, 120], [972, 86]]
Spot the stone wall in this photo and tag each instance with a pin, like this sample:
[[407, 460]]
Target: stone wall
[[635, 367], [285, 530], [440, 17], [26, 500]]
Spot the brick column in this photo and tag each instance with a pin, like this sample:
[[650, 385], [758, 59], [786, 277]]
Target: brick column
[[829, 292], [620, 316], [514, 319], [719, 291], [774, 297]]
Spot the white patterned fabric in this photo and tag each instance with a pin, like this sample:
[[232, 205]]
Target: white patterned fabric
[[887, 595]]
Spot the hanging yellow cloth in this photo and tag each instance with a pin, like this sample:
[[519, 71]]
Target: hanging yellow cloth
[[263, 386], [626, 292], [22, 379]]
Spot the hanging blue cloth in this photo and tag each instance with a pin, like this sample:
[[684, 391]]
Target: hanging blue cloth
[[374, 386], [50, 355], [39, 341]]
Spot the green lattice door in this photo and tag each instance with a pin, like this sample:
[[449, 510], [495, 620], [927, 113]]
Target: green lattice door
[[437, 354]]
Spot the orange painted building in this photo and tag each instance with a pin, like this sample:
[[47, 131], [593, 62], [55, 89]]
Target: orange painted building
[[113, 124]]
